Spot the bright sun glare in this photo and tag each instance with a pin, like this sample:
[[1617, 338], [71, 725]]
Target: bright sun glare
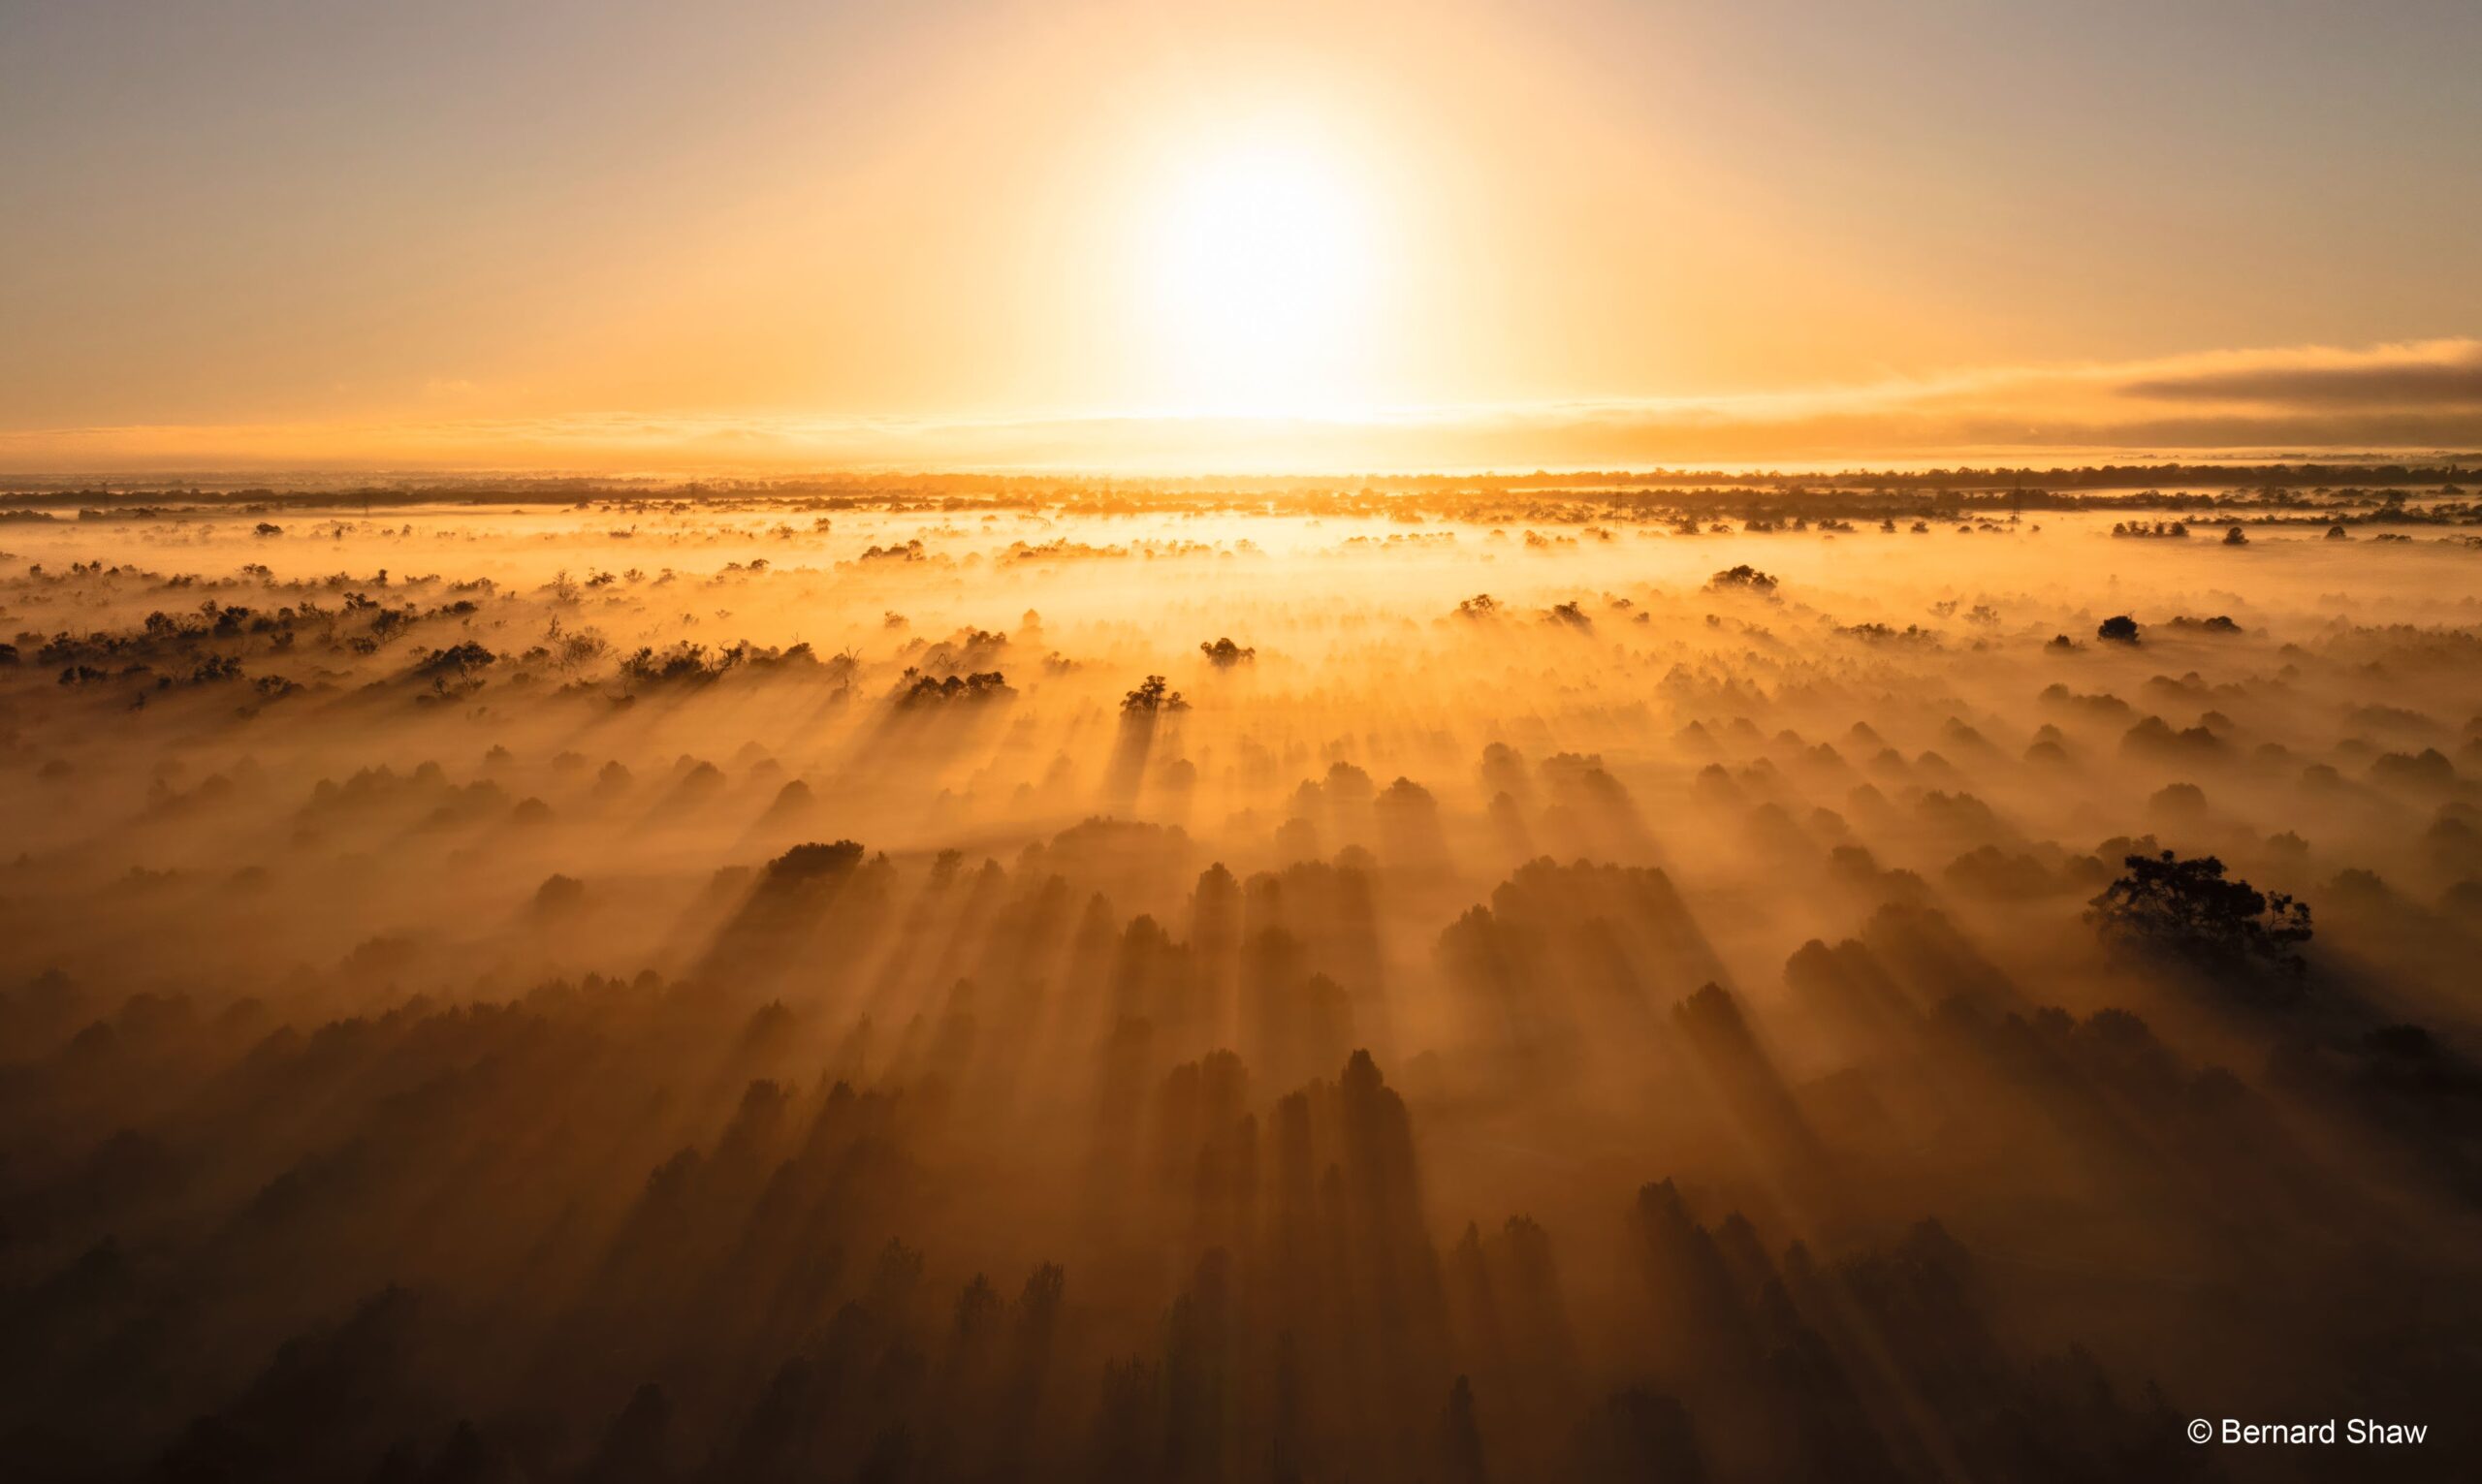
[[1260, 266]]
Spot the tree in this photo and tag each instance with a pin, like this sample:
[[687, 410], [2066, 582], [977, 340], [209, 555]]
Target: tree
[[457, 661], [1744, 577], [813, 862], [2189, 911], [2120, 628], [980, 685], [1155, 695]]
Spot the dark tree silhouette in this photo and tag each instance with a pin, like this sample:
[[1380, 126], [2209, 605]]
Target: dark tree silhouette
[[813, 862], [457, 660], [2120, 628], [980, 685], [1154, 696], [1744, 577], [2187, 910]]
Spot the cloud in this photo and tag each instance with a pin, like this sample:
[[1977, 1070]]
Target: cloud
[[2437, 374]]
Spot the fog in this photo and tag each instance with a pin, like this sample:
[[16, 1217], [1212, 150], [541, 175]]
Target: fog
[[1105, 982]]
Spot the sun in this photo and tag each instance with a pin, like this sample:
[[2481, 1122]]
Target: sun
[[1257, 271]]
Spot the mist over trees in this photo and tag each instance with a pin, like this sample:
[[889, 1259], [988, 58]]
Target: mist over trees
[[840, 982]]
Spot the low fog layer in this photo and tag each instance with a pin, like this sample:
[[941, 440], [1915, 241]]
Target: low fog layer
[[1443, 984]]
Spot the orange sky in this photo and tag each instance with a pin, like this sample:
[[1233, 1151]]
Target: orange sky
[[624, 234]]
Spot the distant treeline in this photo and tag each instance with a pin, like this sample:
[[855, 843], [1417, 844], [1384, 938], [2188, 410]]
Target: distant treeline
[[2024, 487]]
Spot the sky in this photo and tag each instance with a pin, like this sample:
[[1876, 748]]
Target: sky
[[604, 234]]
